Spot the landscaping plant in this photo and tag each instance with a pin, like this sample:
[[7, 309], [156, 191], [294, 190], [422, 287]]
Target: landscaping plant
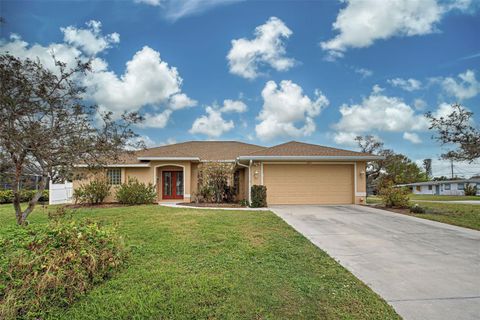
[[213, 182], [417, 209], [259, 196], [470, 190], [6, 196], [43, 266], [93, 192], [394, 197], [135, 192]]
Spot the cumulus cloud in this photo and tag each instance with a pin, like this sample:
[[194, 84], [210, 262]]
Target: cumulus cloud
[[89, 40], [233, 106], [412, 137], [212, 124], [419, 104], [266, 49], [406, 84], [377, 112], [365, 73], [158, 120], [465, 87], [362, 22], [146, 81], [287, 111], [150, 2]]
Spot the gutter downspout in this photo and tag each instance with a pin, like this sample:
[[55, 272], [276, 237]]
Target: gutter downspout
[[249, 180]]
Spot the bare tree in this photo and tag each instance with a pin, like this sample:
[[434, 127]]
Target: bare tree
[[46, 129], [457, 128]]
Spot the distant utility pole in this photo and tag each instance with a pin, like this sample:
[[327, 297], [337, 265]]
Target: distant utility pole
[[427, 164], [451, 165]]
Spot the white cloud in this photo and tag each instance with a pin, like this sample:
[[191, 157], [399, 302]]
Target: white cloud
[[345, 138], [377, 112], [176, 9], [150, 2], [267, 48], [406, 84], [365, 73], [362, 22], [466, 87], [180, 101], [158, 120], [419, 104], [90, 40], [285, 107], [212, 124], [147, 80], [233, 106], [412, 137]]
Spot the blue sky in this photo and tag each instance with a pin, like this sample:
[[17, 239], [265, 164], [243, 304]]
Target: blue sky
[[267, 72]]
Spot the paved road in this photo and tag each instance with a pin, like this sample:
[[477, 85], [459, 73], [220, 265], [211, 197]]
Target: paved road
[[424, 269]]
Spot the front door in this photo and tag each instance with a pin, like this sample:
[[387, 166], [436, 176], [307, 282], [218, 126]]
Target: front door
[[172, 182]]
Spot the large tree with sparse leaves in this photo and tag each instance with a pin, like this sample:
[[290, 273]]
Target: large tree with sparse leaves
[[458, 129], [47, 129]]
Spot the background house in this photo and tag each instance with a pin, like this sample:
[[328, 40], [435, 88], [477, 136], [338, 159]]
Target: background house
[[446, 187]]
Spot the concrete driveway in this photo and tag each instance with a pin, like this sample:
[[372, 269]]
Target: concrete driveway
[[424, 269]]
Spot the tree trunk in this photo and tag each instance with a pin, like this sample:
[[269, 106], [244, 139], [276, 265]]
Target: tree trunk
[[16, 193], [33, 202]]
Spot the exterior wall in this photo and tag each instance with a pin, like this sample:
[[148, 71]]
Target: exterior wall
[[423, 190], [361, 179], [241, 185], [150, 174], [358, 176], [194, 181]]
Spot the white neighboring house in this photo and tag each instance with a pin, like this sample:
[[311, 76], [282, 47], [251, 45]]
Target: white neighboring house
[[444, 188]]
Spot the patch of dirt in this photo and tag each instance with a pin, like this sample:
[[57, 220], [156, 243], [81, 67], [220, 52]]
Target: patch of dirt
[[213, 205]]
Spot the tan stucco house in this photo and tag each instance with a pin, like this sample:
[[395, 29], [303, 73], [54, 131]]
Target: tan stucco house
[[293, 172]]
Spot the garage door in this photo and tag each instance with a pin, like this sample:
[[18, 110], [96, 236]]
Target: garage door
[[308, 183]]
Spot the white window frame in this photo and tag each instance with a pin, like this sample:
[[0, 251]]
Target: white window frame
[[114, 176]]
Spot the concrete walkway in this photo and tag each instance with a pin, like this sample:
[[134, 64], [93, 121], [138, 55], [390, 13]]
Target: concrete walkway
[[424, 269]]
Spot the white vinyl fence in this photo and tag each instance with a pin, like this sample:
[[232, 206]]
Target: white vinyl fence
[[60, 193]]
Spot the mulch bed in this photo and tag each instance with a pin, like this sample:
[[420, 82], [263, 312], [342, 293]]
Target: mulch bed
[[396, 210], [213, 205]]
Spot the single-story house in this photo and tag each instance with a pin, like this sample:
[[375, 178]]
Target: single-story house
[[293, 172], [445, 187]]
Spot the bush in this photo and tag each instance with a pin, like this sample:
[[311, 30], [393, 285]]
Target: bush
[[6, 196], [259, 196], [93, 192], [244, 203], [51, 265], [394, 197], [470, 190], [135, 192], [213, 182], [417, 209]]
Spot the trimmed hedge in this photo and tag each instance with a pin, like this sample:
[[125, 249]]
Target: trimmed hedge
[[6, 196], [259, 196], [45, 266]]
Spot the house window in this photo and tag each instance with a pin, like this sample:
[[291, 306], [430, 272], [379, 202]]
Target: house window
[[236, 182], [447, 186], [418, 188], [114, 176], [430, 187], [461, 186]]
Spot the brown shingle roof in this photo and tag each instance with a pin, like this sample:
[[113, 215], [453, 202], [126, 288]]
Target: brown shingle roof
[[205, 150], [230, 150], [301, 149]]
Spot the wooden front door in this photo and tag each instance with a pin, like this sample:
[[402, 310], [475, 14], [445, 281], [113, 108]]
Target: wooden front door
[[172, 184]]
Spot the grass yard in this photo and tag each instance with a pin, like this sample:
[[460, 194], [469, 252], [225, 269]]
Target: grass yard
[[458, 214], [206, 264], [441, 198], [463, 215]]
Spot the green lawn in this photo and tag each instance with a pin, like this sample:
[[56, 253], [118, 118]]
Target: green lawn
[[442, 198], [206, 264], [459, 214], [463, 215]]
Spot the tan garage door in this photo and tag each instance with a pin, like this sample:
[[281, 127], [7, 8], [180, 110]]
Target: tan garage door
[[308, 183]]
